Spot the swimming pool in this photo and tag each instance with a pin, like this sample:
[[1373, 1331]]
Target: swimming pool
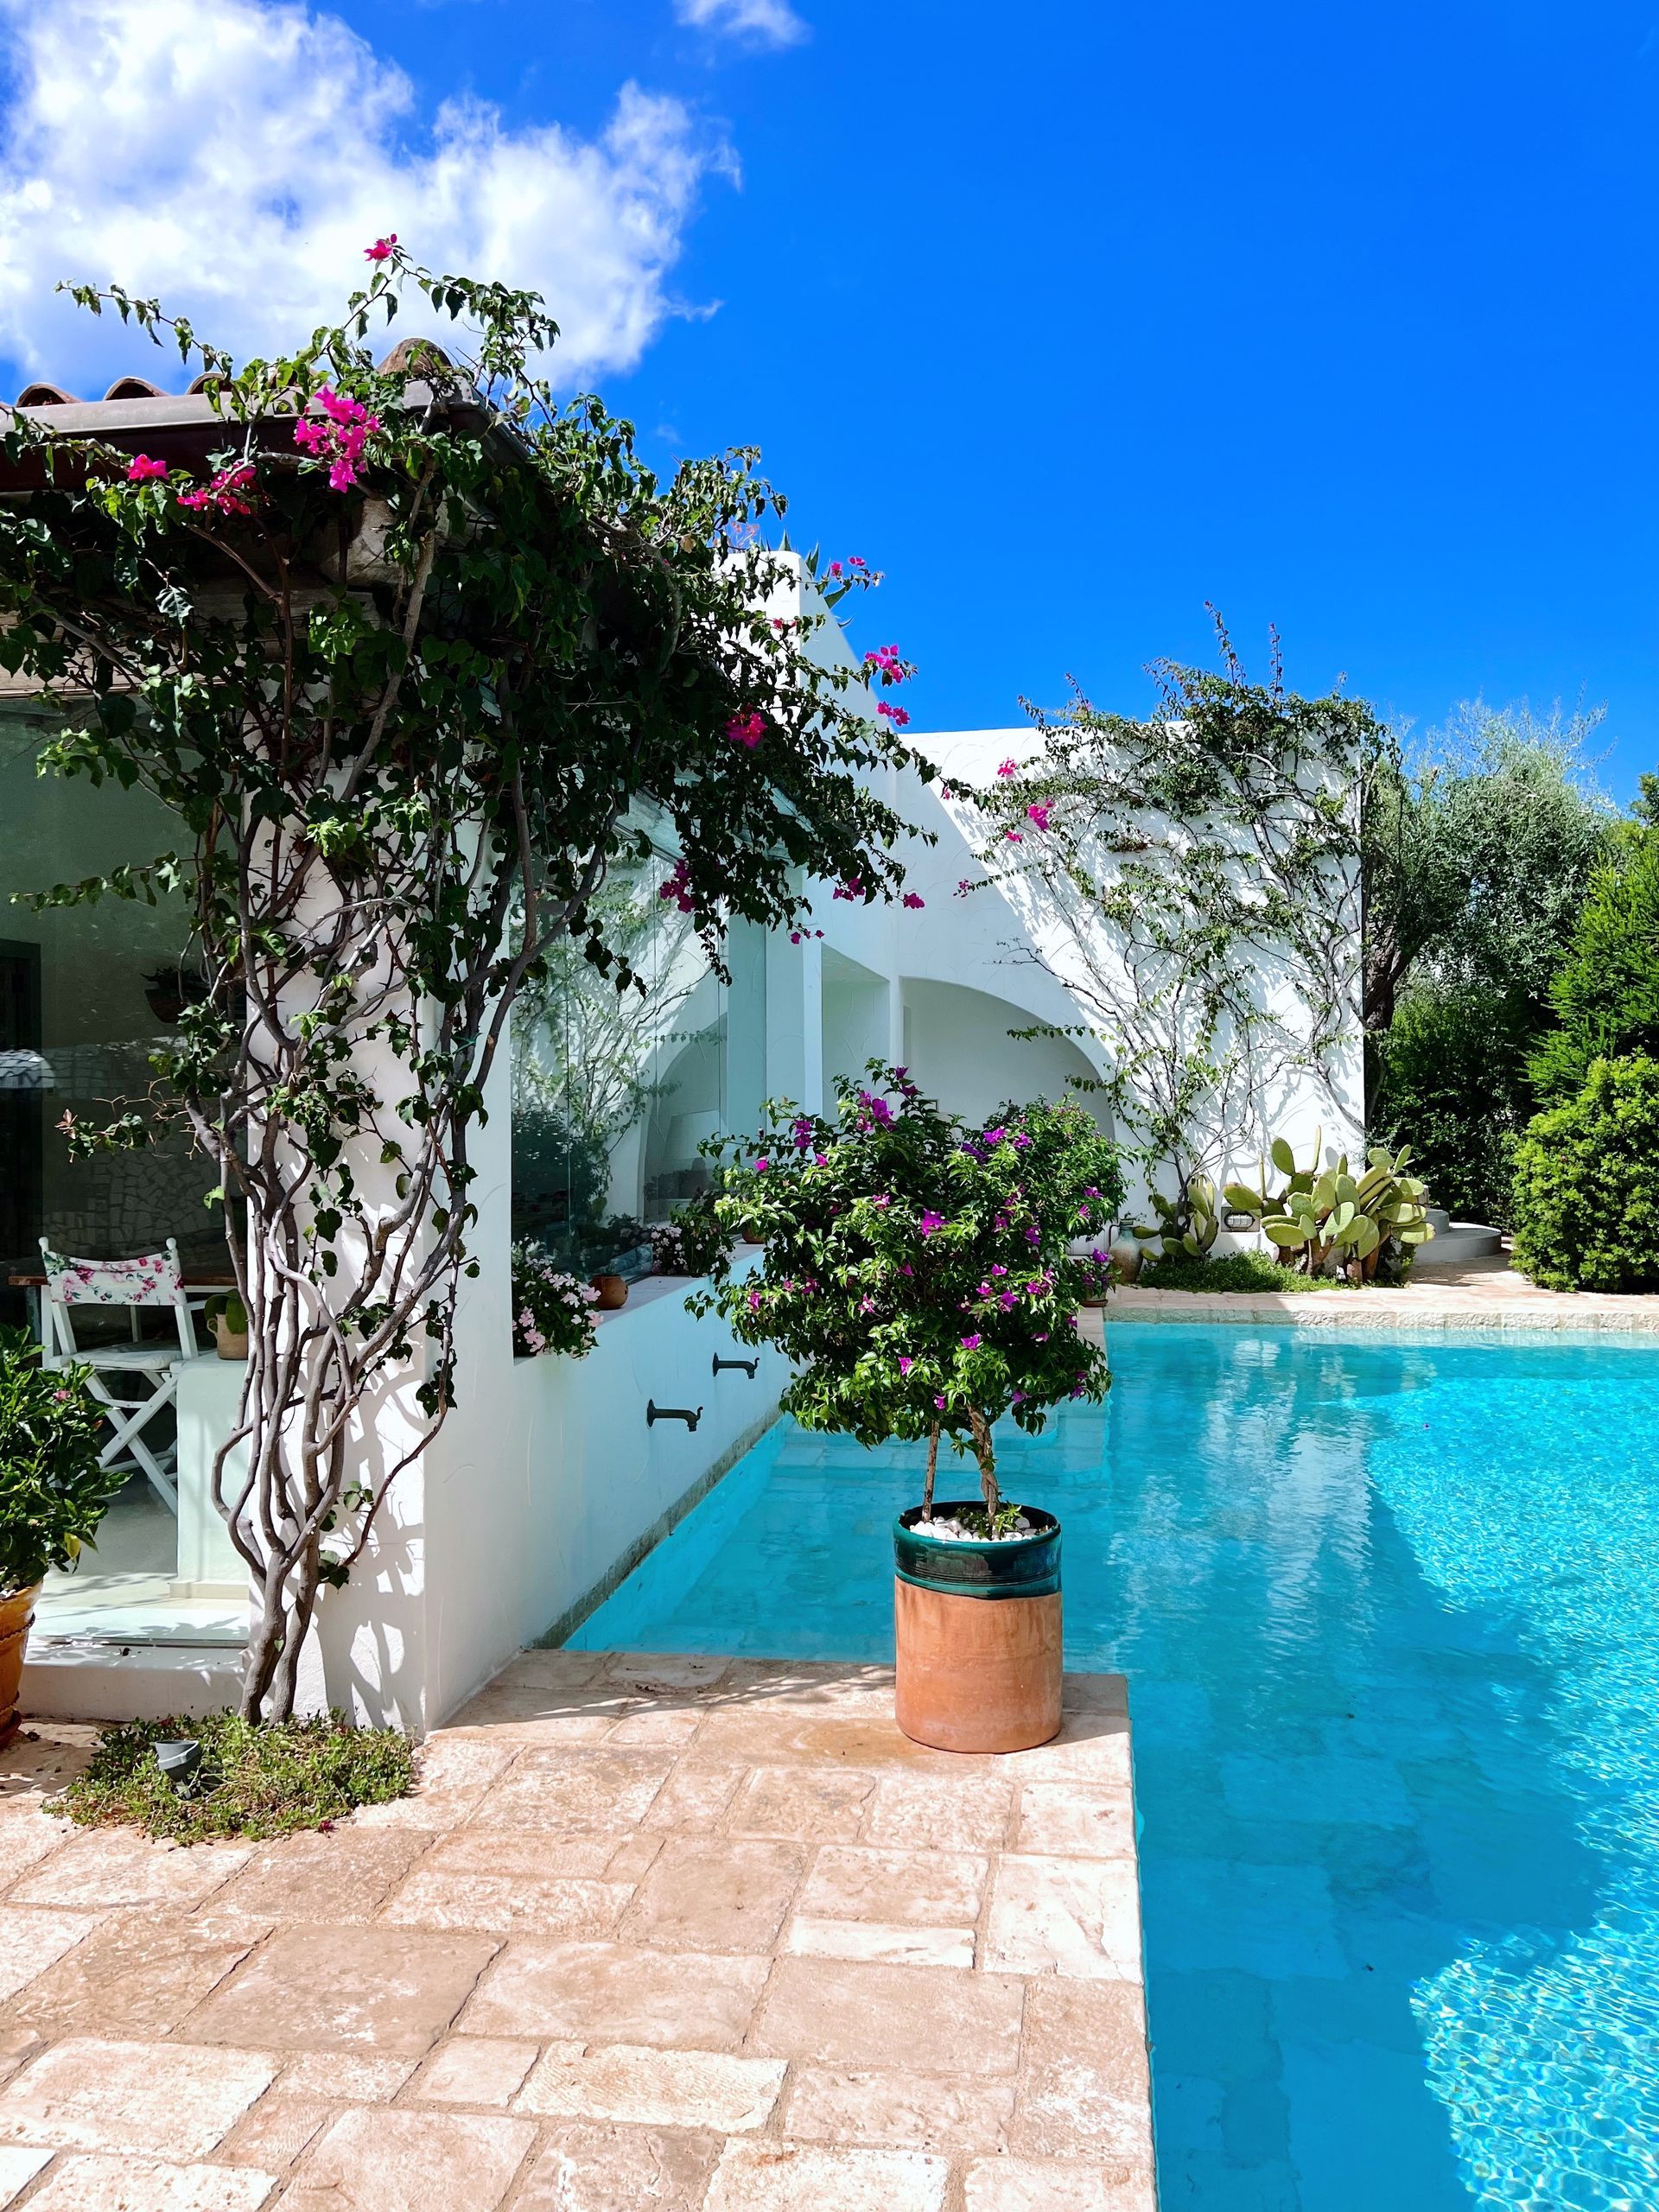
[[1387, 1608]]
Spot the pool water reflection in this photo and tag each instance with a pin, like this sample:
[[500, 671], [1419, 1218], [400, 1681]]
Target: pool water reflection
[[1387, 1612]]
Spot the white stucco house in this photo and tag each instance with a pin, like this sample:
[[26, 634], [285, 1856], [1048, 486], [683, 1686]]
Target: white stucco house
[[549, 1480]]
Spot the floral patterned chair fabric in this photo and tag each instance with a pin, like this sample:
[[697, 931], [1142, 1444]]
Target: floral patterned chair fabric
[[155, 1279]]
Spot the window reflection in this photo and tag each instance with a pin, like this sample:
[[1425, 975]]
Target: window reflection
[[614, 1092]]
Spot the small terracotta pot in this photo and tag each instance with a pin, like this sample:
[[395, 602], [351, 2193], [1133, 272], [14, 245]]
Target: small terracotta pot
[[16, 1611], [612, 1291], [978, 1632], [230, 1344]]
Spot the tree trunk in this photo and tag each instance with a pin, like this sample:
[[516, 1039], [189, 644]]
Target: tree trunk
[[987, 1460], [932, 1469]]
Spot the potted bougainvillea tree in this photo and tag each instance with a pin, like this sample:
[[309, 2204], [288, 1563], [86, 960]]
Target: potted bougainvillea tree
[[921, 1275]]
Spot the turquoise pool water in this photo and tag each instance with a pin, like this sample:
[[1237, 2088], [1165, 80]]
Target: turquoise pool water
[[1388, 1613]]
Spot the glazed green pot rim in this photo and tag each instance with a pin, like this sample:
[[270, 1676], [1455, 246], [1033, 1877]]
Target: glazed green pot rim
[[943, 1508]]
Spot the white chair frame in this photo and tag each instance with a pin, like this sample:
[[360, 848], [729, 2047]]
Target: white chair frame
[[71, 1282]]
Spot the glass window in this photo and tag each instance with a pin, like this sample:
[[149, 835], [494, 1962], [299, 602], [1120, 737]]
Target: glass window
[[614, 1092], [86, 994]]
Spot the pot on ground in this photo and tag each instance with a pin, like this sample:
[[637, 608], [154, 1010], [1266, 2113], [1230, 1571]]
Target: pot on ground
[[16, 1611], [978, 1631], [612, 1291]]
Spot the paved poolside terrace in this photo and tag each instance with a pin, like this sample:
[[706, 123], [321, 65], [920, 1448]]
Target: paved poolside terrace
[[1482, 1293], [652, 1935]]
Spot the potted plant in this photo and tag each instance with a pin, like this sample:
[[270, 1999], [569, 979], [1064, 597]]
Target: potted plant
[[918, 1272], [227, 1317], [552, 1310], [53, 1492]]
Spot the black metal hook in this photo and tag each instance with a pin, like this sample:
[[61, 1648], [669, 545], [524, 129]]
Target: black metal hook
[[750, 1367], [654, 1412]]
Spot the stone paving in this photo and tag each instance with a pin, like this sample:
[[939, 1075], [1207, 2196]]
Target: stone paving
[[653, 1935], [1482, 1294]]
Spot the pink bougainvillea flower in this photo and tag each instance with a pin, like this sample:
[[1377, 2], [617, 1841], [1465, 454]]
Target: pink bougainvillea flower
[[886, 1200], [866, 1305], [899, 716], [678, 888], [887, 664], [1040, 814], [761, 1167], [931, 1221], [963, 886], [754, 1301], [857, 560], [906, 1362], [911, 899], [939, 1402], [1009, 768], [970, 1344], [1014, 836], [852, 890], [225, 494], [141, 469], [381, 250], [746, 730]]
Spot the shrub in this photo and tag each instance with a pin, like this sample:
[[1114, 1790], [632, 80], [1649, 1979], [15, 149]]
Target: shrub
[[52, 1492], [1587, 1184], [1233, 1271], [917, 1271], [1605, 994], [1451, 1084], [693, 1243], [253, 1781], [551, 1311]]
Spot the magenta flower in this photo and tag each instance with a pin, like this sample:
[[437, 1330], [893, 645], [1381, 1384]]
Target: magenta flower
[[899, 716], [746, 730], [939, 1402], [801, 1131], [881, 1202], [866, 1305], [1033, 1235], [852, 890], [970, 1344], [906, 1362], [1040, 814], [886, 661], [1022, 1142], [1009, 768], [834, 567], [911, 899], [931, 1221], [1014, 836], [381, 250], [761, 1167], [963, 886], [225, 494], [678, 888], [754, 1301], [141, 469]]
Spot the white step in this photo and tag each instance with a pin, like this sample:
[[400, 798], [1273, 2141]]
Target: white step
[[1456, 1241]]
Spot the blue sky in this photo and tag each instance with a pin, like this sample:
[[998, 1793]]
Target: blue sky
[[1074, 316]]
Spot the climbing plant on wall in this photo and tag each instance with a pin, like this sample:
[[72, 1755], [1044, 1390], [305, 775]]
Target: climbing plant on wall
[[407, 649], [1192, 876]]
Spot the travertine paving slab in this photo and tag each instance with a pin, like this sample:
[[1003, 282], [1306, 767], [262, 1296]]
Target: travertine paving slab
[[32, 1940], [388, 1990], [136, 1973], [403, 2161], [589, 2167], [808, 2177], [163, 2098], [656, 2088], [655, 1933], [109, 2184], [612, 1993]]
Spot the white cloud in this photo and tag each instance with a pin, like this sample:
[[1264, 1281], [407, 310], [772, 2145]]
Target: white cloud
[[774, 21], [235, 157]]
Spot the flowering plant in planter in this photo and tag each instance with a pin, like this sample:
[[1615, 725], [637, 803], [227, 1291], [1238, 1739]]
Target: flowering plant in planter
[[919, 1272], [53, 1492], [551, 1311]]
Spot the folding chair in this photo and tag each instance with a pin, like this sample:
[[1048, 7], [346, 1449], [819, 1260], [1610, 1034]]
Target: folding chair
[[156, 1279]]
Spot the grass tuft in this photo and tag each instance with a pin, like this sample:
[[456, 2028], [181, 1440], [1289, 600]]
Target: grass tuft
[[1233, 1271], [253, 1781]]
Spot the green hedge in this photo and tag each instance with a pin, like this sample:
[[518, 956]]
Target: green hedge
[[1587, 1184]]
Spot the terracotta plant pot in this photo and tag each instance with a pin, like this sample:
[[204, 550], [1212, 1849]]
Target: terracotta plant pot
[[612, 1291], [978, 1629], [230, 1344], [16, 1611]]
